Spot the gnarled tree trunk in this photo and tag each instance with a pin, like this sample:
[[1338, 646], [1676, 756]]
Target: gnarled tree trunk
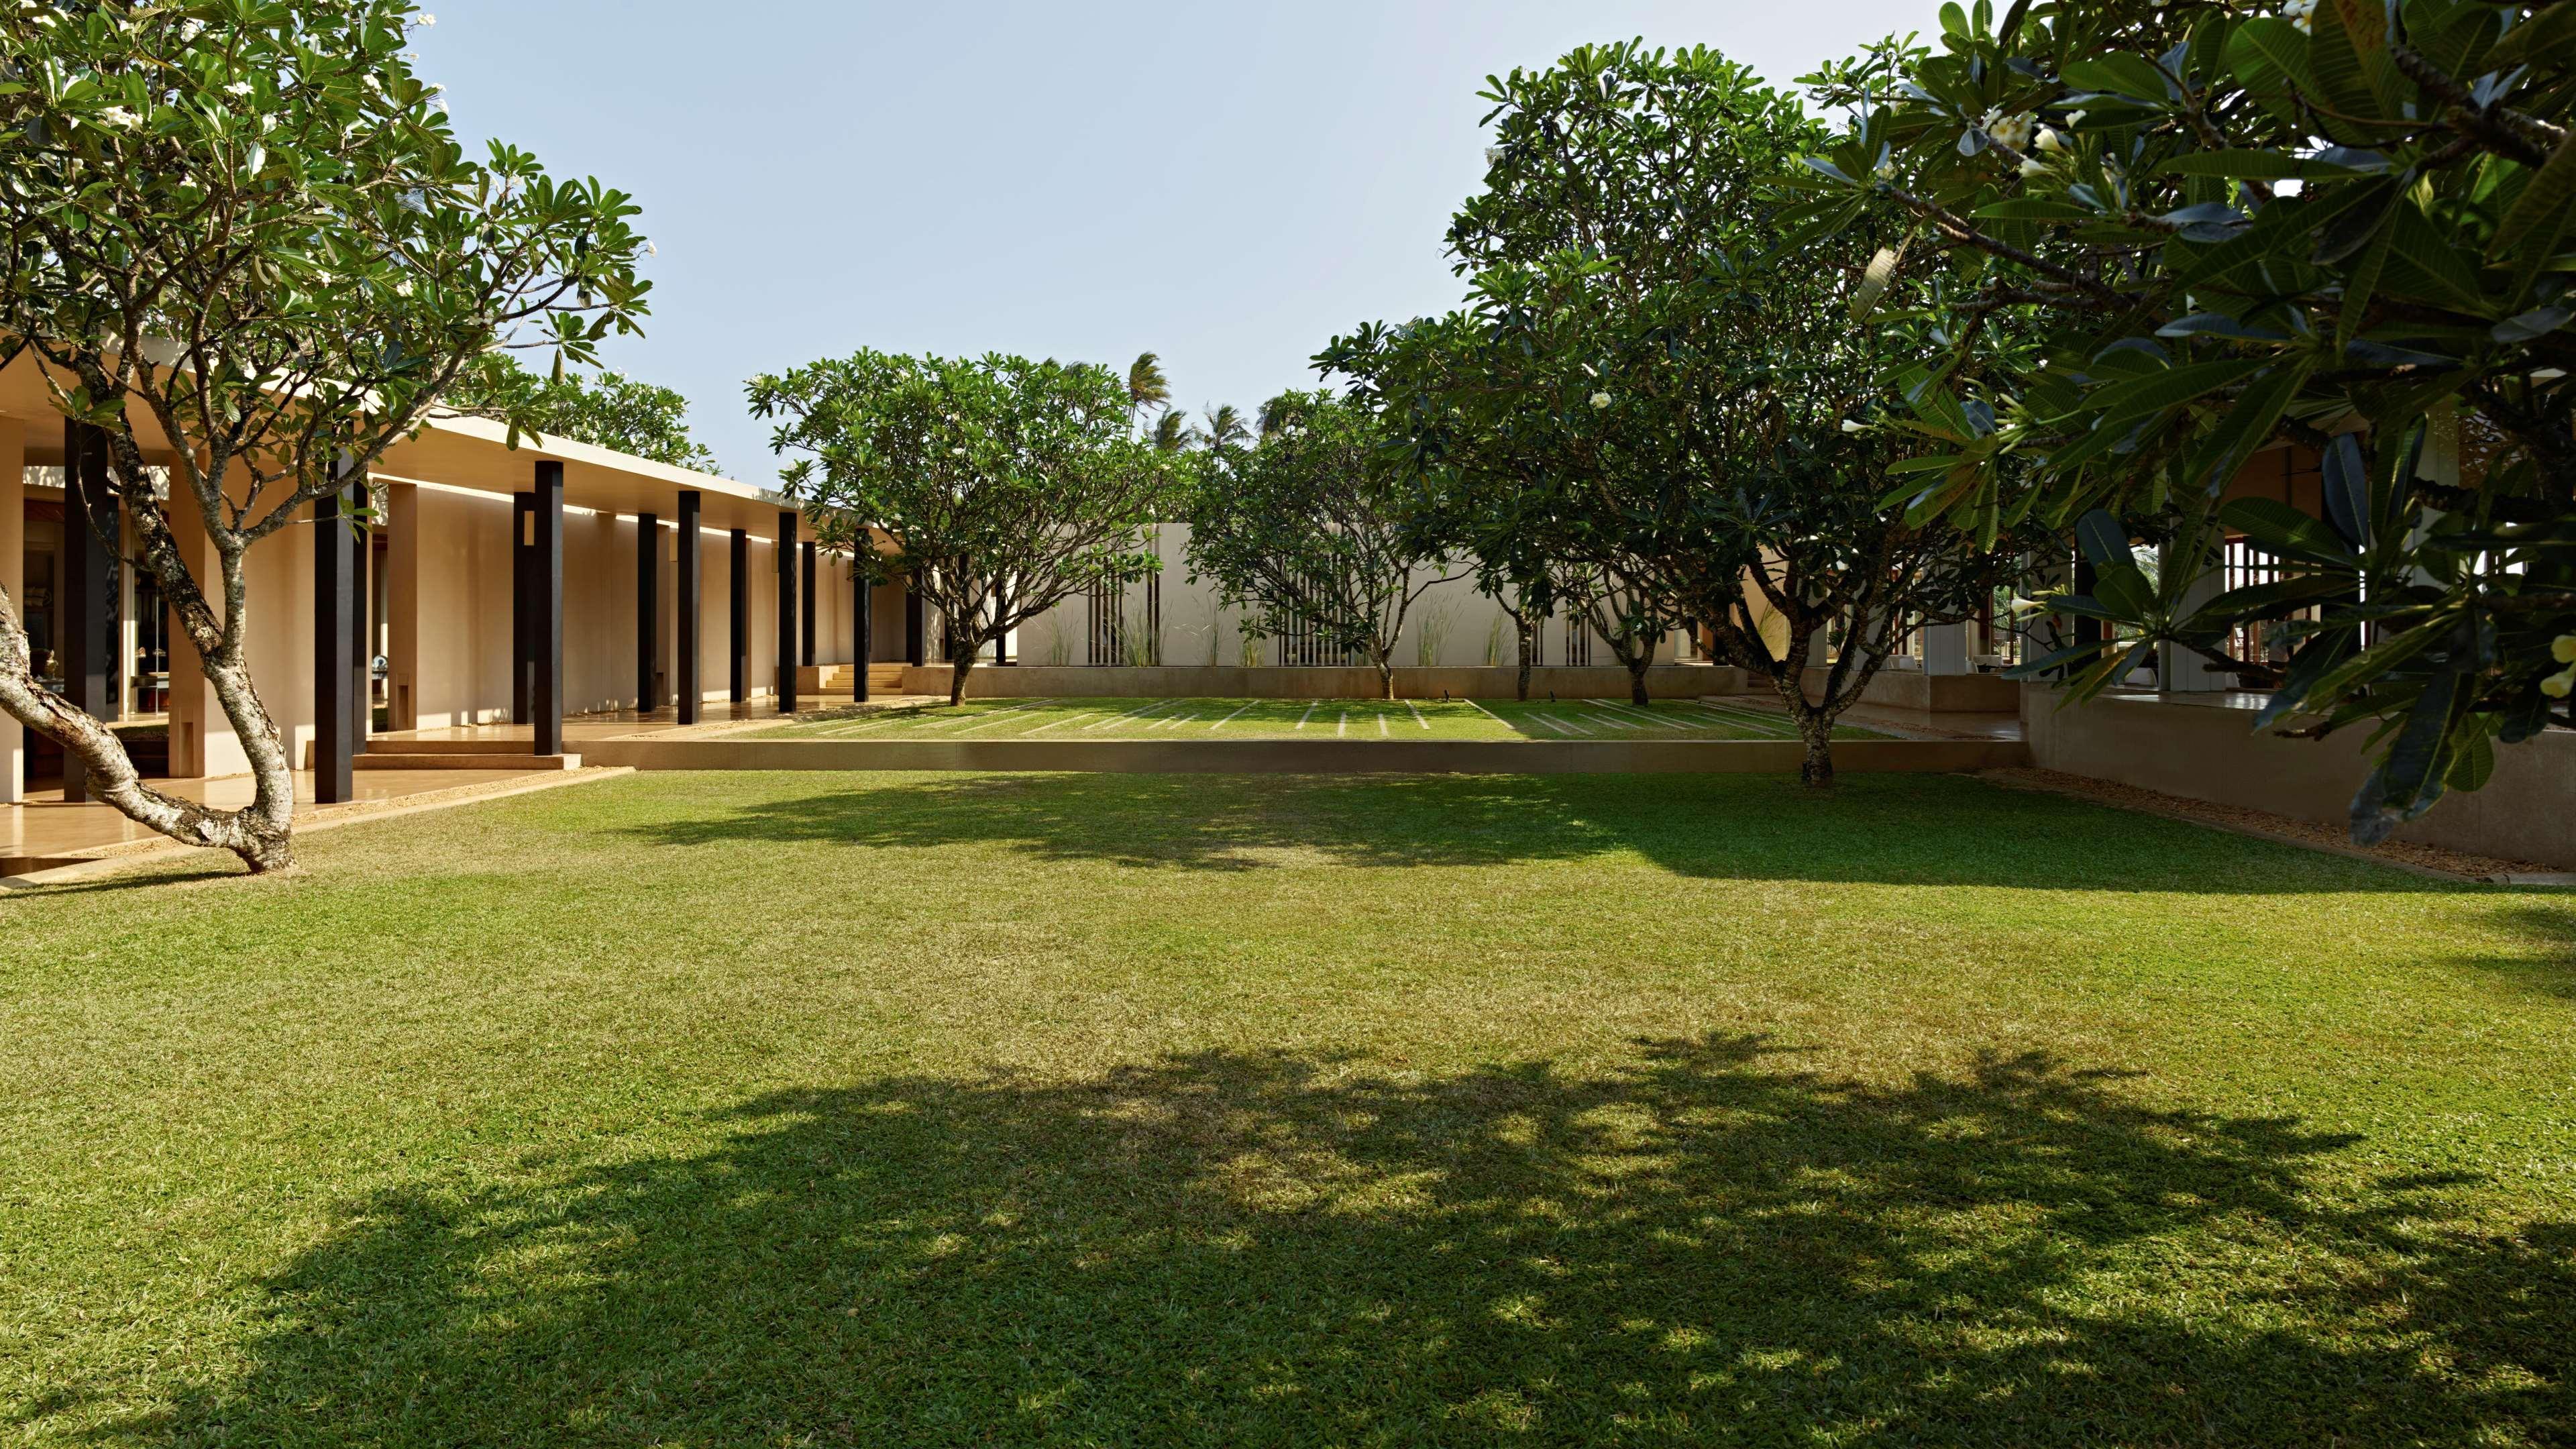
[[1816, 730], [261, 834]]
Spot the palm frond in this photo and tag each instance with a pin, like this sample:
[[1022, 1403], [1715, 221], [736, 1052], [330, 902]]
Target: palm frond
[[1146, 385]]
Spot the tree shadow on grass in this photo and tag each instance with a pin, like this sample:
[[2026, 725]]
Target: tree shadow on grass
[[1707, 1245], [1894, 829], [2549, 931]]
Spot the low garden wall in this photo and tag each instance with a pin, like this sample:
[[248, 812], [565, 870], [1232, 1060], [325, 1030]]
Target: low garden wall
[[2205, 747], [1912, 689], [1309, 757], [1219, 681]]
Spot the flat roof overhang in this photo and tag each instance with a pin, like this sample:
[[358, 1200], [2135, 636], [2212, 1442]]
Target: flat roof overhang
[[472, 454]]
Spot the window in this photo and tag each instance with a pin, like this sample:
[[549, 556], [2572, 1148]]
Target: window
[[1126, 631], [151, 646], [1309, 643]]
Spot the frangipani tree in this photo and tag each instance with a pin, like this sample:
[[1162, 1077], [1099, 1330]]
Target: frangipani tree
[[1310, 530], [1007, 486], [1646, 387], [608, 409], [2343, 223], [244, 227]]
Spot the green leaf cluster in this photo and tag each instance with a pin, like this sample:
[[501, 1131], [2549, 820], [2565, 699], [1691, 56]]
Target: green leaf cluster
[[2343, 229]]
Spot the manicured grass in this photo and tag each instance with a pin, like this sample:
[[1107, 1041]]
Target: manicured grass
[[1118, 1110], [1282, 719]]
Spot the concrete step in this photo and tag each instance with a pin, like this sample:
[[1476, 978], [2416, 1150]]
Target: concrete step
[[838, 678], [515, 749], [378, 760]]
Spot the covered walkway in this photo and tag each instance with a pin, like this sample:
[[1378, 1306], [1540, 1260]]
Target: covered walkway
[[555, 590]]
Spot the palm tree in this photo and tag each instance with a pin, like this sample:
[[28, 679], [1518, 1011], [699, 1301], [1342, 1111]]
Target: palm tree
[[1224, 427], [1146, 385], [1171, 432]]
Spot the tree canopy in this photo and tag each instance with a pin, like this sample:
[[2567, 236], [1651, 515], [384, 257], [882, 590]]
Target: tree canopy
[[1309, 529], [1005, 486], [1644, 388], [2345, 225], [608, 410]]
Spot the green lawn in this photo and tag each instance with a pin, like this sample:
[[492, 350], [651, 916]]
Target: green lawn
[[1111, 1110], [1284, 719]]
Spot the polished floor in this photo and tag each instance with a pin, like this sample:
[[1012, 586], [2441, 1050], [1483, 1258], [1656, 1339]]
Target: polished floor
[[47, 826]]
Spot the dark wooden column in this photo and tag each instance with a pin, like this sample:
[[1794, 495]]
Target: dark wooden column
[[648, 613], [547, 568], [362, 613], [523, 609], [86, 606], [787, 597], [863, 625], [741, 651], [806, 609], [335, 704], [685, 692], [916, 627]]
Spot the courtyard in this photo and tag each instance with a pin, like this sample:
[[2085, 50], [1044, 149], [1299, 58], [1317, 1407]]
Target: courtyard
[[1093, 1109]]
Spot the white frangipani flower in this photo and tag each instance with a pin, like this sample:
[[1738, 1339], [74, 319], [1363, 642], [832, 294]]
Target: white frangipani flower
[[1600, 401], [2012, 131]]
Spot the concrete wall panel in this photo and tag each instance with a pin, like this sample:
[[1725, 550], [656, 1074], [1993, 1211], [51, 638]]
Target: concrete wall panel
[[2204, 747]]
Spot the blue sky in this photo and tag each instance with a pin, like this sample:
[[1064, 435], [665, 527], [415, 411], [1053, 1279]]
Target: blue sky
[[1226, 184]]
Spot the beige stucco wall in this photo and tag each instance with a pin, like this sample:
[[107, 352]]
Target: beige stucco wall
[[1450, 626], [2203, 747], [459, 670], [277, 584]]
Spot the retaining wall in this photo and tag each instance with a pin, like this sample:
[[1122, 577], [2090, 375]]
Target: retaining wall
[[1308, 757], [2204, 747], [1218, 681], [1912, 689]]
